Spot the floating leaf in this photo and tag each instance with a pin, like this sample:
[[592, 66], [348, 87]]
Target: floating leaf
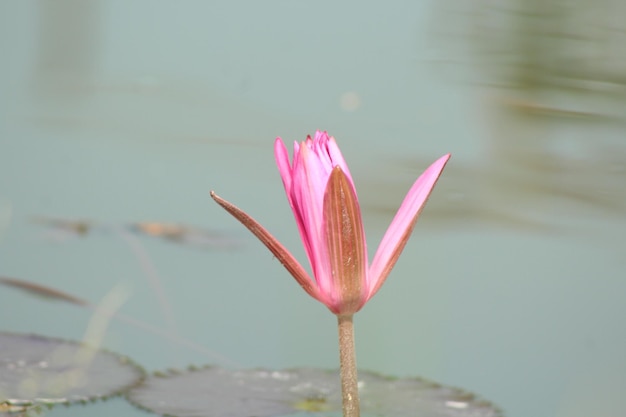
[[20, 410], [37, 370], [217, 392]]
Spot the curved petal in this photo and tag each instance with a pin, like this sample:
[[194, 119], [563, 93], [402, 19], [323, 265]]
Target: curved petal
[[402, 225], [282, 254]]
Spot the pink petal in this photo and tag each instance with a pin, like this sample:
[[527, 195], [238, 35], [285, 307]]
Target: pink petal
[[337, 158], [286, 172], [281, 253], [309, 183], [402, 225], [290, 176], [284, 166]]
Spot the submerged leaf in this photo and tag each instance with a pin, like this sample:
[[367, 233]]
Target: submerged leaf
[[78, 227], [42, 291], [216, 392], [54, 294], [187, 235], [41, 370]]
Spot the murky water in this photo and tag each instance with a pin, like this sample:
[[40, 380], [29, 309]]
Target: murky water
[[512, 285]]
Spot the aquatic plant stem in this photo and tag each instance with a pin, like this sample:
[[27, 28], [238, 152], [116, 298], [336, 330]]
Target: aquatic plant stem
[[347, 367]]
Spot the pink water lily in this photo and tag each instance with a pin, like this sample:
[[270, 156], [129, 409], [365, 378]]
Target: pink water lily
[[323, 199]]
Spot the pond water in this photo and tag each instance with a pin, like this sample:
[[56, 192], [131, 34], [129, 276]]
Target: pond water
[[512, 285]]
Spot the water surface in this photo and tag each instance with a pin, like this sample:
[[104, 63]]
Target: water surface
[[512, 285]]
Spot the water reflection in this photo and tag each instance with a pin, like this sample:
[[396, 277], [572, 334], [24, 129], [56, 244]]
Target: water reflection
[[553, 99], [68, 47], [521, 188], [534, 45]]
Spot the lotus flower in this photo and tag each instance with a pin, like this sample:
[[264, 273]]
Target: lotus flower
[[323, 199]]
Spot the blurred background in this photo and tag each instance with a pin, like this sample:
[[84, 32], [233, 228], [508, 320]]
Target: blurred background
[[117, 118]]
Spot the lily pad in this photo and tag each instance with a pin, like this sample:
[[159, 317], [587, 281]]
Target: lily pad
[[217, 392], [38, 370]]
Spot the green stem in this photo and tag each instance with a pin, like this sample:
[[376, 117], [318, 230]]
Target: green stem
[[347, 366]]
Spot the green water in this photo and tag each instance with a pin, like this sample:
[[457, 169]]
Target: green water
[[512, 285]]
